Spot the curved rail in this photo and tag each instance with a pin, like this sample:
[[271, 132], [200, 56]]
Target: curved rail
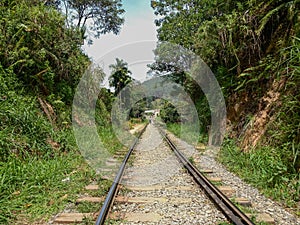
[[228, 208], [112, 191]]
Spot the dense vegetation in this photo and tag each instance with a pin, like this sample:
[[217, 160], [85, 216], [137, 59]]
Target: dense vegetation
[[41, 63], [251, 46], [253, 49]]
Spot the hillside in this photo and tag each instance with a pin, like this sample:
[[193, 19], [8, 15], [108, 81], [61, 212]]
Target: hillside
[[252, 47]]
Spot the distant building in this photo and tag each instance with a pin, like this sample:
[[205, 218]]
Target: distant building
[[152, 112]]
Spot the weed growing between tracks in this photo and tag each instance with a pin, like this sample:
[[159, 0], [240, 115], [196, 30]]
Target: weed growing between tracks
[[265, 169], [226, 223]]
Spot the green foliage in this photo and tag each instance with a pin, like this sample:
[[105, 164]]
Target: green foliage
[[180, 20], [109, 139], [25, 129], [103, 122], [107, 98], [43, 53], [169, 114], [235, 35], [203, 111], [265, 168], [41, 63], [104, 16], [253, 49], [284, 130], [187, 134], [138, 109], [35, 187], [20, 121], [120, 75], [102, 116]]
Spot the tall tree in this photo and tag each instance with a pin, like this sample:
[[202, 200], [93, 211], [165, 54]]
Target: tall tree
[[120, 75], [37, 46], [179, 20], [93, 17]]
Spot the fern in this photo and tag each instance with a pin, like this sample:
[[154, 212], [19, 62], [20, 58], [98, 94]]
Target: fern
[[290, 6]]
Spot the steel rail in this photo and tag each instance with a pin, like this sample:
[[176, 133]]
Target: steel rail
[[113, 189], [233, 213]]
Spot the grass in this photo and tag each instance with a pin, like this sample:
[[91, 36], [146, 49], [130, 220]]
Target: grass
[[191, 160], [35, 189], [266, 169], [109, 139], [114, 222], [41, 169], [88, 207], [186, 133]]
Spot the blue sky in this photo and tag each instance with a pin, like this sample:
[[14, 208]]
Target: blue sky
[[136, 7], [138, 27]]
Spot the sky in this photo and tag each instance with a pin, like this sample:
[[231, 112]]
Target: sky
[[134, 44]]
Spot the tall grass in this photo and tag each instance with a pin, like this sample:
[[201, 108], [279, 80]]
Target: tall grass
[[187, 134], [264, 168], [34, 188], [32, 171]]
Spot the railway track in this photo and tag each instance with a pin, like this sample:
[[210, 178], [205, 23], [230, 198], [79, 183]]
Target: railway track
[[113, 190], [233, 213], [222, 202], [170, 194]]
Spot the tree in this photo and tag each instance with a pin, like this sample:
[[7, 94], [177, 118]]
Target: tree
[[120, 75], [137, 111], [169, 113], [37, 46], [250, 46], [93, 17], [179, 20]]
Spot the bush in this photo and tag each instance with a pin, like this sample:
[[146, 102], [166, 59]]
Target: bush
[[169, 113], [266, 168]]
